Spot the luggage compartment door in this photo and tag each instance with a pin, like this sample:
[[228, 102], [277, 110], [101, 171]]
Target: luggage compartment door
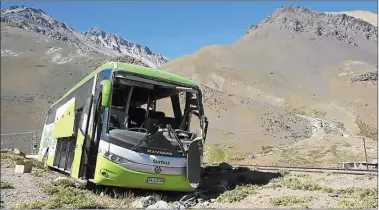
[[194, 163]]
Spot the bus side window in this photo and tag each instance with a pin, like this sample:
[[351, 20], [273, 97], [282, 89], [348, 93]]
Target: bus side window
[[84, 116]]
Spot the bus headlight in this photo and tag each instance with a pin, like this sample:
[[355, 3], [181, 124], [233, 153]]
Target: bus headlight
[[113, 157]]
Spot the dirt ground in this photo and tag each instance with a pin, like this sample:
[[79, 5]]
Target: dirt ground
[[26, 187], [244, 189], [303, 190]]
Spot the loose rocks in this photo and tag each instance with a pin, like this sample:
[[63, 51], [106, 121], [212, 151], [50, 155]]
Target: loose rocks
[[143, 202]]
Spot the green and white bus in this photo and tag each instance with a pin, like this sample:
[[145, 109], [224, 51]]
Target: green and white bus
[[108, 129]]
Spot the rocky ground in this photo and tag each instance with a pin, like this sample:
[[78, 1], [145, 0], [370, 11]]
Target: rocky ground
[[221, 187], [25, 187]]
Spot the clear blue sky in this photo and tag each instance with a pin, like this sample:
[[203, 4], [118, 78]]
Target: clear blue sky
[[177, 28]]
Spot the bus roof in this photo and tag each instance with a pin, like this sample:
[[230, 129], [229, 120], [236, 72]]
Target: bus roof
[[155, 73], [146, 71]]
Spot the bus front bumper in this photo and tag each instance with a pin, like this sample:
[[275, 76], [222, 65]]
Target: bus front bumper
[[111, 174]]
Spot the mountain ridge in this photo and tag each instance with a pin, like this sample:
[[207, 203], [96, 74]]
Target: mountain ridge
[[283, 64], [292, 17], [103, 43]]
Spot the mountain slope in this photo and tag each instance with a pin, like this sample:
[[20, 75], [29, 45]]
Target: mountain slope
[[294, 50], [297, 60], [42, 58], [95, 40]]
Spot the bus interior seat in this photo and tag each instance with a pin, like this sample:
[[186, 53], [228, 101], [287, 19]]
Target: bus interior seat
[[162, 119], [155, 118], [156, 114], [117, 114], [136, 117], [114, 121]]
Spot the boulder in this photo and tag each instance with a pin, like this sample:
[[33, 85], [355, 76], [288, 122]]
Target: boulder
[[24, 166], [160, 205], [225, 166], [18, 152], [143, 202]]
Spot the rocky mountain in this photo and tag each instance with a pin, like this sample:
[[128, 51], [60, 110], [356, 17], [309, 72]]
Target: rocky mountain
[[294, 50], [95, 41], [322, 25], [295, 61], [363, 15]]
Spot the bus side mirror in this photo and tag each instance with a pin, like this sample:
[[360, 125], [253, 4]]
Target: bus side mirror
[[106, 92]]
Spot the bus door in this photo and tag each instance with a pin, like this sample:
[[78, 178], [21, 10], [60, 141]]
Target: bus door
[[82, 135]]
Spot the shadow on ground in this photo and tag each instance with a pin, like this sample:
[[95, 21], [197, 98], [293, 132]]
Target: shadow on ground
[[218, 179]]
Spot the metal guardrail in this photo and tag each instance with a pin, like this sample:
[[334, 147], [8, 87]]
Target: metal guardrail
[[307, 169], [26, 142]]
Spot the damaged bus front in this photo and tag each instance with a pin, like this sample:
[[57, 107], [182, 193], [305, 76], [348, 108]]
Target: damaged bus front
[[146, 129]]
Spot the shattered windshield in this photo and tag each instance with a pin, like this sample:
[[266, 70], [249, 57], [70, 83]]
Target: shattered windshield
[[140, 108]]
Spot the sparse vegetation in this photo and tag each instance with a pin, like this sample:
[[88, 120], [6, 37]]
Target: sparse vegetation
[[367, 130], [291, 201], [5, 185], [370, 176], [20, 160], [284, 172], [328, 173], [40, 171], [217, 153], [237, 194], [12, 157], [41, 166], [267, 149], [303, 175], [332, 153], [360, 193], [353, 197], [302, 110], [229, 133], [66, 195], [358, 198], [295, 183], [357, 204]]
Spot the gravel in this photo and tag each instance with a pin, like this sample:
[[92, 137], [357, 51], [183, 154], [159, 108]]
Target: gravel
[[27, 187]]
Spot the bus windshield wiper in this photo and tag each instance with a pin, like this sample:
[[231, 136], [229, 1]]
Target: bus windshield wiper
[[172, 131], [142, 140]]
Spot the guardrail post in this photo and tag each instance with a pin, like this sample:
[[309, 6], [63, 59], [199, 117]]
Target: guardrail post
[[34, 146], [364, 147]]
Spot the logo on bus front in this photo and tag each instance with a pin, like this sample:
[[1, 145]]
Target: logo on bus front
[[158, 169], [157, 152], [162, 162]]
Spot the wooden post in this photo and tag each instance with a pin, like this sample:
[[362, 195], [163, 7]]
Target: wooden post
[[364, 147]]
